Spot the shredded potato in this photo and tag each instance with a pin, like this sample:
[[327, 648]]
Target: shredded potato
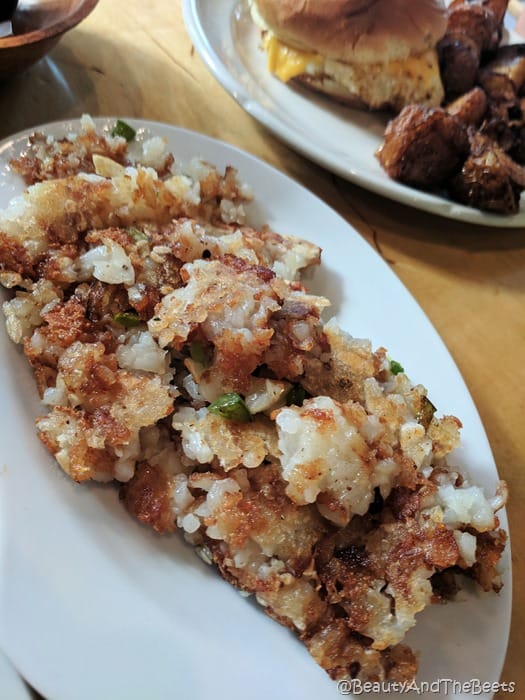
[[141, 297]]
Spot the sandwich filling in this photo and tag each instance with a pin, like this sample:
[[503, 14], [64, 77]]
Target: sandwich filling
[[392, 84]]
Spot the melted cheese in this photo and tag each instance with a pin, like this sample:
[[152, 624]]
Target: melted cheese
[[286, 62], [419, 72]]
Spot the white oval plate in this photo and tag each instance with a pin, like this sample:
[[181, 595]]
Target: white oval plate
[[340, 139], [93, 605]]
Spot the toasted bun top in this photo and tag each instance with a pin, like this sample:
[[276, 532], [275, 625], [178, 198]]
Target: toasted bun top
[[355, 31]]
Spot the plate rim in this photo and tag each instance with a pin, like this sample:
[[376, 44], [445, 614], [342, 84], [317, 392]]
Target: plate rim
[[12, 680]]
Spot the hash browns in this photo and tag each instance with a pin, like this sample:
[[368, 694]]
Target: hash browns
[[141, 297]]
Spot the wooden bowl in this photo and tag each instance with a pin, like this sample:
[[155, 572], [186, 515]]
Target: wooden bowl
[[37, 27]]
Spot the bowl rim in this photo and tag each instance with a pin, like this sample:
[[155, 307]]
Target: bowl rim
[[37, 35]]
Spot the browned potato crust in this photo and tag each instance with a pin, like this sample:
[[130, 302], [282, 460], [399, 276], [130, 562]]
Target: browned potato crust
[[423, 146]]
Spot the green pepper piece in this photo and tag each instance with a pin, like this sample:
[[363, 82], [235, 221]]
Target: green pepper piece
[[198, 353], [295, 396], [395, 367], [426, 412], [123, 129], [232, 407], [129, 319], [137, 234]]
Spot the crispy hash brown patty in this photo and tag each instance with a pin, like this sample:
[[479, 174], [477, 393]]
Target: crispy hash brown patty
[[178, 354]]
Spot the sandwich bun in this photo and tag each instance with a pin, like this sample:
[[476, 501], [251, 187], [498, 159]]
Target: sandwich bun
[[356, 31], [368, 53]]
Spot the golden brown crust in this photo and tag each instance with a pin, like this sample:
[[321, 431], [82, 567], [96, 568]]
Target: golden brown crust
[[423, 147], [147, 497], [358, 31]]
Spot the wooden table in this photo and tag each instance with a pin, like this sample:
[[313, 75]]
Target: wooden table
[[134, 58]]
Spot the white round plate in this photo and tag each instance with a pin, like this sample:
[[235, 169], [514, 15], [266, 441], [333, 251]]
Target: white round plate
[[341, 139], [93, 605]]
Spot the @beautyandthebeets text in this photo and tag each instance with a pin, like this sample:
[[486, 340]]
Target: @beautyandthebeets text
[[441, 686]]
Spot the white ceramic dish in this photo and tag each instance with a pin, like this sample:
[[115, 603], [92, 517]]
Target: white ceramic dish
[[12, 687], [341, 139], [92, 605]]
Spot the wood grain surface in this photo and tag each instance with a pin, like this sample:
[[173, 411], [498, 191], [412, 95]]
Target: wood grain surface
[[135, 59]]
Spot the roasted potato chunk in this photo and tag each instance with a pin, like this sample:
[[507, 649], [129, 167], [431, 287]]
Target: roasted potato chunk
[[489, 180], [423, 146]]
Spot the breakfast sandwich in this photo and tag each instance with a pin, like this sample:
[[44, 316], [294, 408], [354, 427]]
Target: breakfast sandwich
[[373, 54]]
